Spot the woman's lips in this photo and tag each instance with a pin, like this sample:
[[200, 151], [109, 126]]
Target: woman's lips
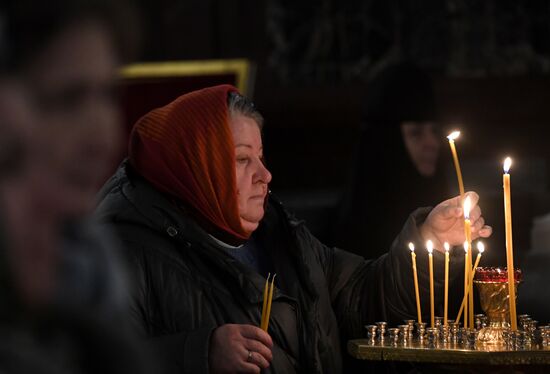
[[258, 197]]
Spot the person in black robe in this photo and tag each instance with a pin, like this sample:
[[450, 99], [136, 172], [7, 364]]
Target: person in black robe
[[397, 162]]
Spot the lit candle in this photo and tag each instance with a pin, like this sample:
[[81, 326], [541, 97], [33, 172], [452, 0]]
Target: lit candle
[[468, 264], [446, 297], [509, 245], [452, 136], [418, 310], [465, 286], [265, 300], [269, 302], [480, 248], [430, 247]]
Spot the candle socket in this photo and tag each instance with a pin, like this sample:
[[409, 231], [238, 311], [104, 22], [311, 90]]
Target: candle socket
[[462, 335], [438, 322], [394, 335], [479, 321], [545, 335], [432, 335], [531, 330], [455, 330], [445, 331], [410, 323], [484, 321], [471, 337], [524, 323], [371, 333], [381, 329], [404, 333], [520, 338], [421, 331], [513, 339]]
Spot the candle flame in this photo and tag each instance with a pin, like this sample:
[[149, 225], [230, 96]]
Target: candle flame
[[507, 164], [411, 247], [467, 207], [447, 247], [452, 136], [480, 247], [430, 246], [466, 247]]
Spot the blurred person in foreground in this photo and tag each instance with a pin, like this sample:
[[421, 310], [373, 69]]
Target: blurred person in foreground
[[63, 296], [397, 164], [201, 232]]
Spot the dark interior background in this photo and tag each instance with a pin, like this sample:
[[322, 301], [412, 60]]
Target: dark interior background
[[490, 59]]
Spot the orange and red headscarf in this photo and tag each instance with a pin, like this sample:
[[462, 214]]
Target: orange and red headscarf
[[185, 149]]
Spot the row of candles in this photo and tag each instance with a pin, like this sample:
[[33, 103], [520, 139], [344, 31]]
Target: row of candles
[[468, 285], [467, 306]]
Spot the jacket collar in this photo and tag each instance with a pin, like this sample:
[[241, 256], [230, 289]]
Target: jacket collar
[[160, 214]]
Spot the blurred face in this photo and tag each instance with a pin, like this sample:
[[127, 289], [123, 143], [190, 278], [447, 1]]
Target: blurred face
[[72, 87], [17, 128], [31, 258], [252, 175], [422, 144]]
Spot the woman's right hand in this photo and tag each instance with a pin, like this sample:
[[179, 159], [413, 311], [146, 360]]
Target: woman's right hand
[[239, 348]]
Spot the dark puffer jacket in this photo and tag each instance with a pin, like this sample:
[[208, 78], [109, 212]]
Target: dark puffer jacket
[[186, 285]]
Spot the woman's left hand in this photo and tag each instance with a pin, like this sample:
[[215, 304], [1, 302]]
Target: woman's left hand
[[445, 223]]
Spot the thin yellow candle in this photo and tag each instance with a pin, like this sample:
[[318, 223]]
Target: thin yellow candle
[[265, 300], [466, 285], [468, 232], [413, 257], [452, 137], [480, 248], [509, 244], [446, 297], [430, 248], [269, 302]]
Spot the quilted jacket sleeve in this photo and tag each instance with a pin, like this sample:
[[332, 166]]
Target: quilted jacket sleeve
[[181, 352], [365, 291]]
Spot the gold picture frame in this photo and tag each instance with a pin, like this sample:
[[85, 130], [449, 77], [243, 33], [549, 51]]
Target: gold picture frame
[[241, 68]]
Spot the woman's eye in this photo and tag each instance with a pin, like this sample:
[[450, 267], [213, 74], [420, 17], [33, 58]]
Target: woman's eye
[[242, 160]]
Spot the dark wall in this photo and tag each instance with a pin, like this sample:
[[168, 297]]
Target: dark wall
[[490, 60]]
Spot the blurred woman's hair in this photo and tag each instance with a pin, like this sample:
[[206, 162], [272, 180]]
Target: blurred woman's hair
[[28, 26], [241, 105]]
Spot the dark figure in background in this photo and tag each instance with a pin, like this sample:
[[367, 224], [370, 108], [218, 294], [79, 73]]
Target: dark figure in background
[[62, 295], [397, 165]]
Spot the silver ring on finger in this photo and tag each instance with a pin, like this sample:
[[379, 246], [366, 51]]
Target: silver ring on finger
[[249, 358]]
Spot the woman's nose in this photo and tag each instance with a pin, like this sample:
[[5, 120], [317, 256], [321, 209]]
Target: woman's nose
[[264, 175]]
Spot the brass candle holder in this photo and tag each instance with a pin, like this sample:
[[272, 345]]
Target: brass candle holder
[[492, 284]]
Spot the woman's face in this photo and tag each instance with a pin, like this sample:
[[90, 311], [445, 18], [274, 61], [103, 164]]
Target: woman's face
[[252, 175], [422, 144]]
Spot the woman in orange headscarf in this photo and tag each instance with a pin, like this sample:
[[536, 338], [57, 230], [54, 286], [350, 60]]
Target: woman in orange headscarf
[[201, 232]]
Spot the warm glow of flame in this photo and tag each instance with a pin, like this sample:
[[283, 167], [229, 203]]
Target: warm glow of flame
[[480, 247], [447, 247], [466, 247], [453, 135], [507, 164], [467, 207], [430, 246], [411, 247]]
